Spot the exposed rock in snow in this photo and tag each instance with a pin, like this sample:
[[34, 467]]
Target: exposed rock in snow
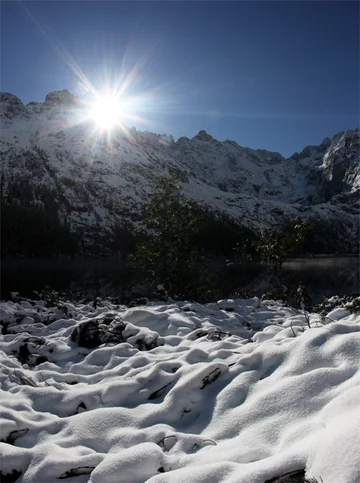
[[271, 401], [95, 332]]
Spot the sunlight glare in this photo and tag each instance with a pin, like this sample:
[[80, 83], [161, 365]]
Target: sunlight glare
[[106, 112]]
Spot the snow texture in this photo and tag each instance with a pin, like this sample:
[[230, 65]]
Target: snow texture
[[238, 391]]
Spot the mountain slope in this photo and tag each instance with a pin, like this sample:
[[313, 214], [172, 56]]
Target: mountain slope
[[93, 182]]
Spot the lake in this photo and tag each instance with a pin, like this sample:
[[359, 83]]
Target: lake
[[322, 277]]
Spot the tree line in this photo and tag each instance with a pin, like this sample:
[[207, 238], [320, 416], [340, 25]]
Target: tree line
[[173, 239]]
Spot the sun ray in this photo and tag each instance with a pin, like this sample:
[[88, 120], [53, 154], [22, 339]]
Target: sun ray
[[117, 98]]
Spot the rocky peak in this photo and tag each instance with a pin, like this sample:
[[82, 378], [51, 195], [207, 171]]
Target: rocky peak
[[34, 107], [167, 139], [60, 98], [325, 144], [340, 169], [203, 136], [8, 97], [343, 147], [270, 157], [310, 151], [182, 140], [11, 106]]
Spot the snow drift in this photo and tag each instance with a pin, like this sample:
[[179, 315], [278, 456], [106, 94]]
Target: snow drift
[[235, 391]]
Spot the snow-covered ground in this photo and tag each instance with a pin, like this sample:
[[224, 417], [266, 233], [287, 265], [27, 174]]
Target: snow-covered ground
[[235, 391]]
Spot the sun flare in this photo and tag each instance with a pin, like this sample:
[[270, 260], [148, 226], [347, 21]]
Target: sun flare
[[106, 112]]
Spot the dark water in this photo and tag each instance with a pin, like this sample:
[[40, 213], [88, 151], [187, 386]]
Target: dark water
[[104, 278], [322, 277], [110, 278]]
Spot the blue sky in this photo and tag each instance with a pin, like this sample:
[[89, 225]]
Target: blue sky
[[272, 75]]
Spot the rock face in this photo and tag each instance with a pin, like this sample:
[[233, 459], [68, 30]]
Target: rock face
[[203, 136], [95, 332], [63, 98], [111, 329], [52, 157], [11, 107], [341, 168]]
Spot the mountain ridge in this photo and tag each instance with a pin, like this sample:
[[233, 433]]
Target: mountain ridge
[[97, 182]]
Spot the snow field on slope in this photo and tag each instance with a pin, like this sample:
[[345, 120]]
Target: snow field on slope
[[238, 391]]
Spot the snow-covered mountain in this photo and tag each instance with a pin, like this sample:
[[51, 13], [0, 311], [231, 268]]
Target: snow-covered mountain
[[94, 182]]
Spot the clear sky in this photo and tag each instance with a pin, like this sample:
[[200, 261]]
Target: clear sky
[[272, 75]]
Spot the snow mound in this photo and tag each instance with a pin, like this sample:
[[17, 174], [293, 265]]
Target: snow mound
[[236, 391]]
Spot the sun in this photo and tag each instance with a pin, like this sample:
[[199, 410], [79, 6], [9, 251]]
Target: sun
[[106, 112]]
